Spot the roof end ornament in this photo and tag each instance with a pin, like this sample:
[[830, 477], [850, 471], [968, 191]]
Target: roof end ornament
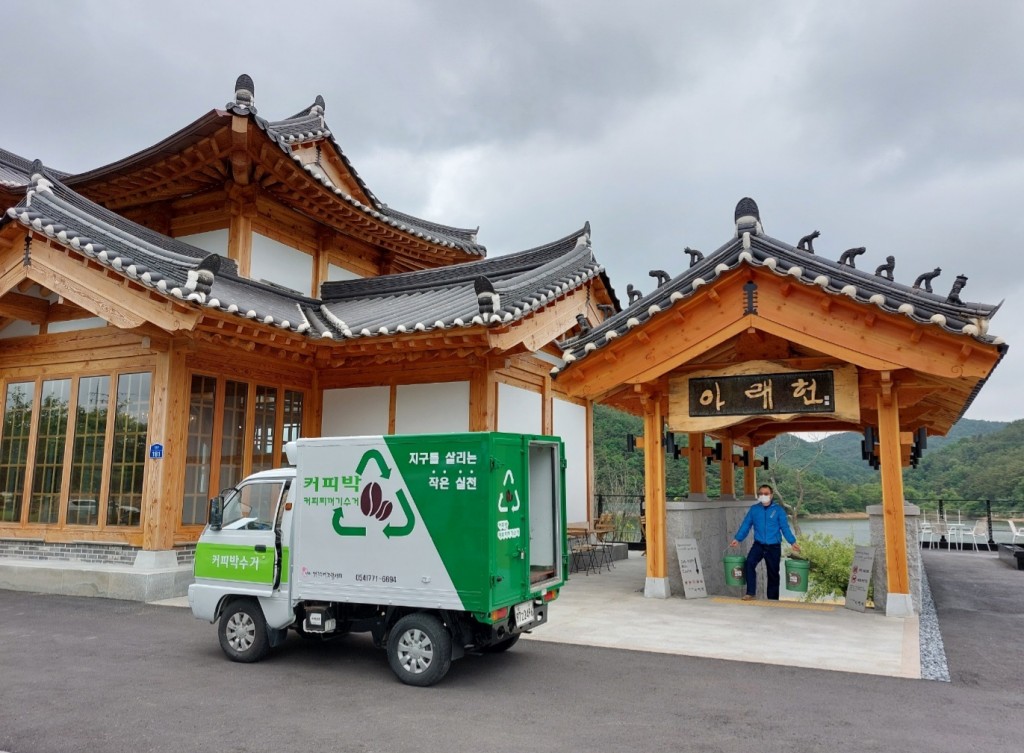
[[807, 242], [244, 93], [886, 270], [925, 280], [487, 300], [958, 286], [747, 217]]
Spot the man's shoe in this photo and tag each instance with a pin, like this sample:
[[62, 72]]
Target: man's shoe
[[747, 597]]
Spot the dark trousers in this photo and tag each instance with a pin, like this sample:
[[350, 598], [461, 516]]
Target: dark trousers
[[772, 556]]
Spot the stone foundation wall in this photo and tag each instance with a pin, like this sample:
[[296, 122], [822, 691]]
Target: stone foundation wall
[[82, 552]]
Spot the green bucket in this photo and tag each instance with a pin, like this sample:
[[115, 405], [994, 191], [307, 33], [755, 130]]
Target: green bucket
[[734, 565], [796, 575]]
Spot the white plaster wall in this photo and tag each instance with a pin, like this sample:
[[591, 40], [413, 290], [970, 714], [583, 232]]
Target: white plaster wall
[[432, 408], [215, 241], [74, 325], [338, 274], [570, 423], [19, 328], [356, 411], [280, 264], [519, 410]]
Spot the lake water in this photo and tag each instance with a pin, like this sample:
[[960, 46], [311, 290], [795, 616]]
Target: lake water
[[858, 528]]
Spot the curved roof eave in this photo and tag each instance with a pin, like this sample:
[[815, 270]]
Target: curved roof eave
[[754, 247]]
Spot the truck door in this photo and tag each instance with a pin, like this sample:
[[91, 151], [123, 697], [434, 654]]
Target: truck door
[[246, 551]]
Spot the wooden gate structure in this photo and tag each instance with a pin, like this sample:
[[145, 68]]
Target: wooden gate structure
[[761, 337]]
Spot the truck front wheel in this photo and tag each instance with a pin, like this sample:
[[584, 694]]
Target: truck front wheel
[[243, 631], [419, 649]]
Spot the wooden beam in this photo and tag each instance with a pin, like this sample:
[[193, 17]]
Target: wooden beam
[[483, 400], [102, 295], [24, 307], [539, 329]]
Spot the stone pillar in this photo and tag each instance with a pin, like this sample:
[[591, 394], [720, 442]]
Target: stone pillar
[[712, 523], [879, 573]]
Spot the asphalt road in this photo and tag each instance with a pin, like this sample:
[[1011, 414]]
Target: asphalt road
[[79, 674]]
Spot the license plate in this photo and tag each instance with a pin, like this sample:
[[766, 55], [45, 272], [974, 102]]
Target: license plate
[[524, 612]]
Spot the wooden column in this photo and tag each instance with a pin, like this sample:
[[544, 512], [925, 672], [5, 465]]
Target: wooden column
[[164, 484], [240, 239], [483, 400], [750, 475], [695, 459], [899, 602], [547, 408], [728, 471], [654, 491]]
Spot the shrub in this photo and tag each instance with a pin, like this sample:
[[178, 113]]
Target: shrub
[[831, 560]]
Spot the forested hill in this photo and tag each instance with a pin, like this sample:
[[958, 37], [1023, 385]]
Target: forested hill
[[978, 460]]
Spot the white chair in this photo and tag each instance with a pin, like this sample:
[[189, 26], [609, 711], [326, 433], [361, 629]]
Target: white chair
[[978, 533], [925, 533], [1018, 533]]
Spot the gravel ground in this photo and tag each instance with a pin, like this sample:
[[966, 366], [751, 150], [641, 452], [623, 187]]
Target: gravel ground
[[933, 653]]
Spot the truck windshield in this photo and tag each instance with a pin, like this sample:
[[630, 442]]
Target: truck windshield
[[252, 506]]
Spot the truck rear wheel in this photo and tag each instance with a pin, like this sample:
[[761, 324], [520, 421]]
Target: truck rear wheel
[[243, 631], [419, 649]]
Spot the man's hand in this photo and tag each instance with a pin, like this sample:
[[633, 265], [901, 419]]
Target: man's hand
[[734, 542], [795, 547]]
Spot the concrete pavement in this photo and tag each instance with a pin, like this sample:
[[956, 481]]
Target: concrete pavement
[[609, 610]]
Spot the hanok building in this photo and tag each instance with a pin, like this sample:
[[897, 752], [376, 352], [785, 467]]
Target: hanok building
[[170, 320], [761, 337]]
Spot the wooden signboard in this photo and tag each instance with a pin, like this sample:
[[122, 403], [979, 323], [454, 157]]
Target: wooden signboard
[[709, 400], [694, 586], [860, 578]]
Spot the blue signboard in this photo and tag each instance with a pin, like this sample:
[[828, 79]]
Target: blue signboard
[[156, 451]]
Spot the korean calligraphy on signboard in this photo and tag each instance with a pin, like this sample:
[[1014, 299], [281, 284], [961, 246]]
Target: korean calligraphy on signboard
[[708, 400], [755, 394]]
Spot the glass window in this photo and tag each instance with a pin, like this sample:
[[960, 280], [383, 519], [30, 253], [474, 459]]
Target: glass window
[[292, 428], [232, 445], [51, 438], [263, 431], [128, 464], [87, 457], [252, 506], [200, 447], [14, 448]]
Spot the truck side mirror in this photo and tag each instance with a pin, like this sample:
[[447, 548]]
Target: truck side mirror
[[216, 513]]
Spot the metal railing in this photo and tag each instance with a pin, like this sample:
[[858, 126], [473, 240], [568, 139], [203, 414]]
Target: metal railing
[[626, 509]]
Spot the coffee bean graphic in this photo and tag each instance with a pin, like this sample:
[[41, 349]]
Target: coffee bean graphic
[[371, 498], [385, 511]]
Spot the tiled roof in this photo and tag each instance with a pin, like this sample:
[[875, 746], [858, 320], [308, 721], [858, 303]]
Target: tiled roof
[[310, 126], [753, 247], [15, 171], [490, 292]]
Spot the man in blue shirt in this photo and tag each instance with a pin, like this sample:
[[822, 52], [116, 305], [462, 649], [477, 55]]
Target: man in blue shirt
[[768, 519]]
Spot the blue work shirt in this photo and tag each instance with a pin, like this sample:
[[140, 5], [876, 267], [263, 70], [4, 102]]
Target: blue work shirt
[[769, 524]]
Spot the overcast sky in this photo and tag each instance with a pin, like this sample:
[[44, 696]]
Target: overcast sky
[[892, 125]]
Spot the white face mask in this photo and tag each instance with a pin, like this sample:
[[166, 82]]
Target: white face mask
[[765, 499]]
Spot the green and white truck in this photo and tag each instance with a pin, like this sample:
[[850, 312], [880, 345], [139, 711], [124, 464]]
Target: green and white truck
[[435, 544]]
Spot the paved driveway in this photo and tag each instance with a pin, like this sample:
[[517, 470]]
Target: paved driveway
[[80, 674]]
